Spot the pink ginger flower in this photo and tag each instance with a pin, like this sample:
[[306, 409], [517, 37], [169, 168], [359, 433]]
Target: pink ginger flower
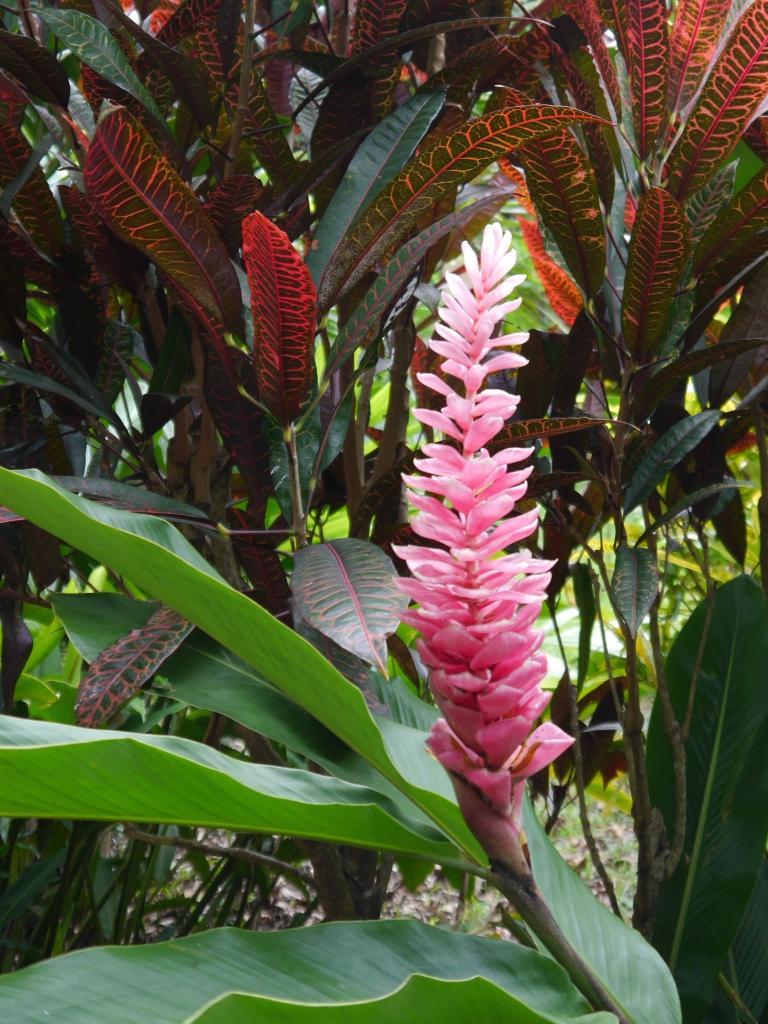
[[477, 605]]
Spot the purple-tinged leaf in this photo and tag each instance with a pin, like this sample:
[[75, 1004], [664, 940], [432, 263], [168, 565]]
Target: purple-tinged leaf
[[347, 590]]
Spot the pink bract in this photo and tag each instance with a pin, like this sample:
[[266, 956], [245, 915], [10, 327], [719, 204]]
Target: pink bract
[[476, 603]]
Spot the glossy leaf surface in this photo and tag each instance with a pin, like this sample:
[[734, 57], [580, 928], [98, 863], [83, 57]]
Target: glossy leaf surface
[[448, 162], [634, 585], [702, 905], [347, 589], [36, 68], [563, 187], [695, 36], [147, 204], [657, 254], [283, 309], [647, 63], [731, 98], [168, 982]]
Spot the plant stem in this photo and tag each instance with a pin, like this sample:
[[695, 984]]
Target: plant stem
[[243, 92], [299, 519], [522, 892]]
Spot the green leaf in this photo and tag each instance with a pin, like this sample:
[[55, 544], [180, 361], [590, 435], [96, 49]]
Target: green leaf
[[460, 1002], [585, 602], [634, 585], [669, 450], [112, 776], [381, 156], [95, 46], [630, 968], [726, 785], [160, 561], [688, 501], [347, 589], [21, 894], [166, 982]]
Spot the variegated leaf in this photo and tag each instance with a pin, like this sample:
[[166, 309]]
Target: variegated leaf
[[122, 669], [562, 185], [731, 98], [657, 254], [283, 306], [647, 63], [347, 590], [697, 31]]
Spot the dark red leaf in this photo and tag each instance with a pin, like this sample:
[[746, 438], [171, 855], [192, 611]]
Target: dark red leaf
[[375, 21], [647, 63], [229, 202], [283, 304], [697, 31], [36, 68]]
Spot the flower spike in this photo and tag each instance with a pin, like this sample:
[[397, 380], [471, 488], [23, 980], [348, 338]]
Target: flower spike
[[476, 605]]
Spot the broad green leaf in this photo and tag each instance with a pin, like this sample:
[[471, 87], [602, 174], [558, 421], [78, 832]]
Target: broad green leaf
[[166, 982], [564, 190], [95, 46], [450, 161], [462, 1002], [27, 888], [634, 585], [113, 776], [731, 97], [658, 251], [380, 157], [585, 601], [702, 905], [666, 453], [347, 589], [627, 965], [160, 561], [119, 672], [94, 621], [744, 967]]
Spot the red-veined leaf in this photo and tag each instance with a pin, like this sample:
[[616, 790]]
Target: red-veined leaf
[[135, 499], [113, 261], [564, 297], [447, 163], [711, 199], [735, 237], [657, 253], [124, 667], [33, 201], [186, 19], [564, 190], [697, 31], [262, 565], [13, 101], [146, 203], [267, 136], [229, 202], [732, 96], [589, 18], [524, 430], [756, 136], [375, 21], [347, 589], [647, 62], [614, 15], [364, 323], [284, 308], [36, 68]]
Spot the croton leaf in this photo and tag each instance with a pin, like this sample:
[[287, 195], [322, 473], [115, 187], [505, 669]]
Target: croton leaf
[[122, 669], [634, 585], [697, 31], [229, 202], [32, 200], [187, 17], [657, 254], [735, 237], [647, 62], [95, 45], [363, 325], [146, 203], [36, 68], [283, 305], [530, 429], [730, 99], [588, 16], [448, 162], [347, 590], [563, 187], [375, 20]]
